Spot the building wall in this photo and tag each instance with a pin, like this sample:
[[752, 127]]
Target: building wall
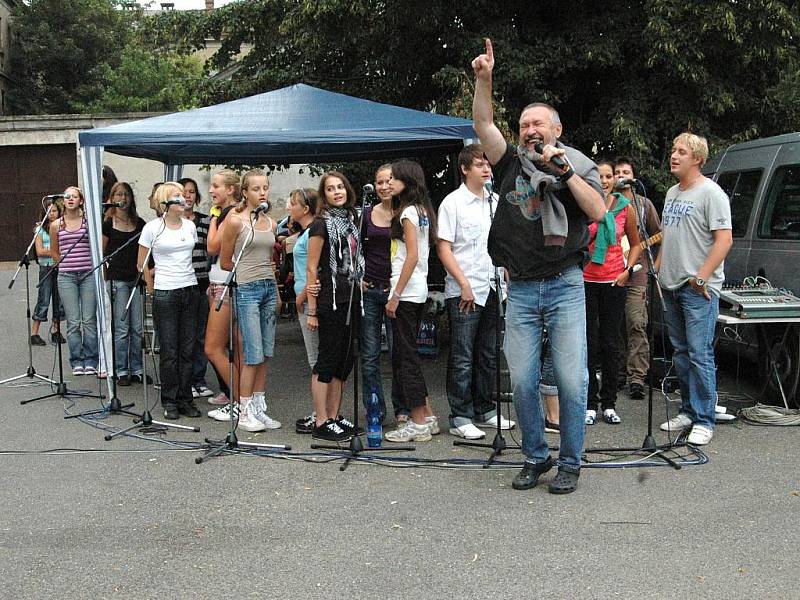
[[6, 7], [38, 156]]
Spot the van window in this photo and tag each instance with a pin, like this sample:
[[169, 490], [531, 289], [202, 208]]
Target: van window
[[741, 188], [781, 216]]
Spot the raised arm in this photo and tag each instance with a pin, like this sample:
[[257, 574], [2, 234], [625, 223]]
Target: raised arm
[[482, 113]]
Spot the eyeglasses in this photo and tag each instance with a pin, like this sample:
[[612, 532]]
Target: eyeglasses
[[71, 197], [121, 195]]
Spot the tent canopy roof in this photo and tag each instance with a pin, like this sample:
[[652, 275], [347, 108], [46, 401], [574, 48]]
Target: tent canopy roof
[[296, 124]]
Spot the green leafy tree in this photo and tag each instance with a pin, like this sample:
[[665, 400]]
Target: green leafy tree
[[626, 76], [61, 49]]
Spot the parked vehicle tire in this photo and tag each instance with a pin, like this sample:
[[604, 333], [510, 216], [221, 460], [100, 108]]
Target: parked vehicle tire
[[786, 352]]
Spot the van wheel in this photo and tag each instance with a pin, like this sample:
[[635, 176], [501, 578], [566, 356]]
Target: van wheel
[[787, 362]]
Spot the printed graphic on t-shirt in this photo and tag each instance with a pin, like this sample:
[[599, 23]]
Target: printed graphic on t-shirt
[[675, 210], [524, 196]]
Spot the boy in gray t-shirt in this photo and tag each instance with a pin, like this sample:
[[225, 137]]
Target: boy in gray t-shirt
[[696, 224], [688, 220]]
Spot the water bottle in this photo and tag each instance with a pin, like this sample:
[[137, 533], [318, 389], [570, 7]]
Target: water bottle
[[374, 426]]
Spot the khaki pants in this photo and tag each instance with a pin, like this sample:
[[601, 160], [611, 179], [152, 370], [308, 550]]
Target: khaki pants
[[638, 345]]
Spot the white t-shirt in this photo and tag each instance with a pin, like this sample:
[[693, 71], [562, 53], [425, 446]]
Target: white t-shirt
[[172, 253], [465, 221], [416, 289], [688, 223]]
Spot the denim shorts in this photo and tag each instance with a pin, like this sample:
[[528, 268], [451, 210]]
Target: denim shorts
[[214, 292], [255, 308]]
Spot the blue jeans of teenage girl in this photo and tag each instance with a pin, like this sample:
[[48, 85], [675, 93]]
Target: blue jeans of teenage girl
[[77, 292]]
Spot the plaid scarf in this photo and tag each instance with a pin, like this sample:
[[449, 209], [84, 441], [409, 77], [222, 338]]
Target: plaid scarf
[[343, 238]]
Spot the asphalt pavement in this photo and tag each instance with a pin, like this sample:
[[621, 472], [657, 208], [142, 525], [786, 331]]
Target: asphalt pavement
[[137, 518]]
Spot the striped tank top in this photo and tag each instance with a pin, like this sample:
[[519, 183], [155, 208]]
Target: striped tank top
[[80, 257]]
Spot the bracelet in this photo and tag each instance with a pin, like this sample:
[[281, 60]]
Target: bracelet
[[567, 174], [309, 314]]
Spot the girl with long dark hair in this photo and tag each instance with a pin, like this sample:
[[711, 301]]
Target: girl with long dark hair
[[120, 225], [413, 233], [334, 263]]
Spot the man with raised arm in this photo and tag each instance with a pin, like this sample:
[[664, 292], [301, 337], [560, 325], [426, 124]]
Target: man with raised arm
[[548, 194], [696, 224]]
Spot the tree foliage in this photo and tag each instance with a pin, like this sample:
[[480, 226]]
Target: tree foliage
[[626, 76]]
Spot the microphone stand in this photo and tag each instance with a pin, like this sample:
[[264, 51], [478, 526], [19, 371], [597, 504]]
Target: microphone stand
[[649, 443], [115, 407], [146, 418], [356, 446], [61, 390], [499, 443], [30, 373], [231, 444]]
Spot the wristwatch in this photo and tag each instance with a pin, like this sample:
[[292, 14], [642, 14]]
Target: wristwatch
[[700, 281]]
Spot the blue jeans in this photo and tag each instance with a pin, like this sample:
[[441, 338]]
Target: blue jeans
[[691, 320], [175, 316], [471, 362], [374, 301], [127, 329], [45, 294], [557, 304], [77, 292], [255, 309]]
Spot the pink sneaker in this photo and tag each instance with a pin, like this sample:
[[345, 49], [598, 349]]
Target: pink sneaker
[[219, 399]]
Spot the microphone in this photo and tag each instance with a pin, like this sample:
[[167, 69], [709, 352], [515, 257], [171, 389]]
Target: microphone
[[487, 185], [54, 196], [113, 205], [623, 182], [368, 189], [556, 160], [263, 207], [180, 200]]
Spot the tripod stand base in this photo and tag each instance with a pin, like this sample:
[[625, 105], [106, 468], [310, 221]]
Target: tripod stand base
[[498, 445], [30, 374], [62, 392], [146, 420], [114, 408], [232, 444], [356, 447]]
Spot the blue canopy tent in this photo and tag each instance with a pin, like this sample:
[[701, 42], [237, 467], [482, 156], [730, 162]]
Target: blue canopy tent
[[296, 124]]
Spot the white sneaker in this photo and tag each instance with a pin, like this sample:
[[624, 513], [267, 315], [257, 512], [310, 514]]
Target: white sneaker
[[433, 424], [590, 418], [468, 432], [677, 423], [204, 391], [505, 424], [258, 409], [223, 413], [247, 420], [700, 435], [410, 432], [195, 393], [722, 415]]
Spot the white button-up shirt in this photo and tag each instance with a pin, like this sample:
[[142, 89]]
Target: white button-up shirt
[[464, 221]]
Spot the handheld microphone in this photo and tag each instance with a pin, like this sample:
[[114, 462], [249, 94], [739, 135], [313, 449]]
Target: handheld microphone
[[556, 160], [263, 207], [623, 182], [368, 189], [54, 196]]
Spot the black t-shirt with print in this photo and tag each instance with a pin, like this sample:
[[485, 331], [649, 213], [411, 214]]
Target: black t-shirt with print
[[516, 242], [319, 229]]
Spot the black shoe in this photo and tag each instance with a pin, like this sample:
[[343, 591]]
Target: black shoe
[[171, 412], [331, 431], [636, 391], [124, 380], [36, 340], [138, 379], [528, 477], [189, 409], [565, 482], [57, 338], [550, 427], [305, 425], [348, 426]]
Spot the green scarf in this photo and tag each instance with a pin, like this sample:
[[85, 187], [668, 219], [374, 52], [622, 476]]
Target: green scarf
[[607, 230]]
